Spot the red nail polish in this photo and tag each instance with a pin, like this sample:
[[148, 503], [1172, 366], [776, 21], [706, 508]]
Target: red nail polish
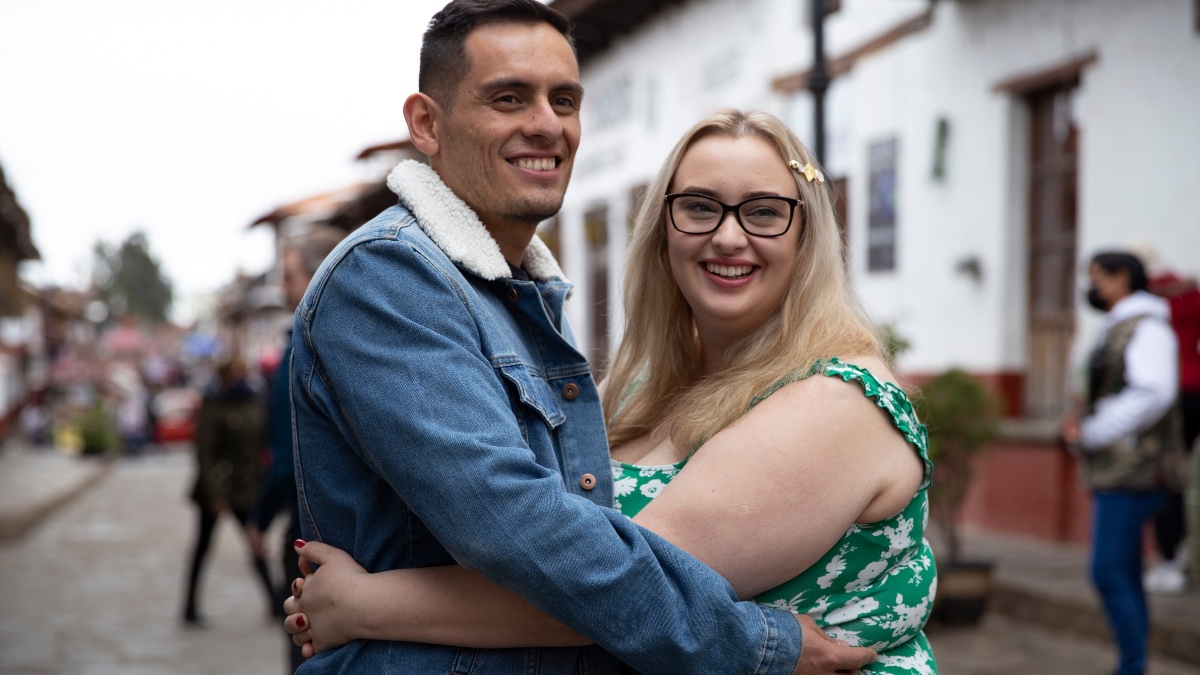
[[300, 621], [299, 543]]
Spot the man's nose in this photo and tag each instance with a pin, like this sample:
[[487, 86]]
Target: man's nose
[[542, 121]]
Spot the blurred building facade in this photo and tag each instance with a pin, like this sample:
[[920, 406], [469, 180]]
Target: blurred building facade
[[251, 316], [16, 245], [983, 150]]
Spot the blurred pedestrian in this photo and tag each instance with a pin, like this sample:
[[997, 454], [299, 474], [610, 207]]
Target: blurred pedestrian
[[35, 420], [1170, 526], [1131, 440], [230, 436], [277, 494]]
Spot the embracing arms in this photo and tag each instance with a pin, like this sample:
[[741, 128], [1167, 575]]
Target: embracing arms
[[444, 445], [759, 503]]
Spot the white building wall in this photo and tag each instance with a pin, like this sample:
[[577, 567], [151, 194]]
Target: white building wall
[[1138, 110]]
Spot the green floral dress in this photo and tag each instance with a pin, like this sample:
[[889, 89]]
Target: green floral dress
[[875, 587]]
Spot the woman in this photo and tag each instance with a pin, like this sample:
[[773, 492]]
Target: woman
[[1132, 440], [798, 476]]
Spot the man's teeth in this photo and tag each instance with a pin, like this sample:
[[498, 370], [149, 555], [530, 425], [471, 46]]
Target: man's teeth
[[729, 270], [539, 164]]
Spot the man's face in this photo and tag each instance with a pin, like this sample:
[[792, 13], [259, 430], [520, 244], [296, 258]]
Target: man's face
[[507, 144]]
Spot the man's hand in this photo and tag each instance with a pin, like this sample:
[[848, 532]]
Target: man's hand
[[823, 655]]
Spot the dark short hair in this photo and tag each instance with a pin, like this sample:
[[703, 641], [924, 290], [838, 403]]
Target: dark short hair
[[1117, 261], [444, 60]]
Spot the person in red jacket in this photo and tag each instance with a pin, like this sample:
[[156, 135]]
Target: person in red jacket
[[1169, 576]]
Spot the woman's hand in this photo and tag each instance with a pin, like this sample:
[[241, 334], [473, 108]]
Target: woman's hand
[[321, 611]]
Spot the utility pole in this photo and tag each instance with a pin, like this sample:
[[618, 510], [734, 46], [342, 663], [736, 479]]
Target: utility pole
[[818, 78]]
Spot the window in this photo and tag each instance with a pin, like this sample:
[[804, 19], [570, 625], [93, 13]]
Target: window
[[881, 217], [612, 103]]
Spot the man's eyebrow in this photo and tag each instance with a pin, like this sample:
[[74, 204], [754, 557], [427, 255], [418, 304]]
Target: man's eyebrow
[[569, 88], [517, 83], [505, 83]]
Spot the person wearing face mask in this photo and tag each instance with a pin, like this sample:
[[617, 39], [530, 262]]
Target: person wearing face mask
[[1130, 436]]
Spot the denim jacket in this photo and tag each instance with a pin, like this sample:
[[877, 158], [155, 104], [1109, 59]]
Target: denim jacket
[[443, 415]]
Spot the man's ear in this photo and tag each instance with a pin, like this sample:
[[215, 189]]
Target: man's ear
[[423, 115]]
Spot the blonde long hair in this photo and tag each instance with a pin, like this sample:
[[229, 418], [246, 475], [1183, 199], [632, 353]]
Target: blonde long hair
[[655, 377]]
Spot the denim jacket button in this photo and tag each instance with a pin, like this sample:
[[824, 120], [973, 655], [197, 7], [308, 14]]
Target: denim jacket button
[[587, 481], [512, 295], [570, 391]]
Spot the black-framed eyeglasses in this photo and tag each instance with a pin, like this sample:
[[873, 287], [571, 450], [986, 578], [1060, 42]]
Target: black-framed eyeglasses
[[693, 213]]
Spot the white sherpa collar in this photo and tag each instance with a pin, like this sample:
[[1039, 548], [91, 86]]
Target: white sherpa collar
[[455, 228]]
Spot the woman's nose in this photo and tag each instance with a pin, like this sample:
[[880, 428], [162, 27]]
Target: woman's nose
[[729, 235]]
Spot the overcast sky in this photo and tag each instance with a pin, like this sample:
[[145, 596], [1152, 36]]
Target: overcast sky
[[191, 119]]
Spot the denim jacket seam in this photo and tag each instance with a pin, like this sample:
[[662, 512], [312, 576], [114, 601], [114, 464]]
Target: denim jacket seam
[[766, 648], [309, 310], [364, 448]]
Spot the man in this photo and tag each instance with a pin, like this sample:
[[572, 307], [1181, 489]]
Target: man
[[277, 494], [443, 413]]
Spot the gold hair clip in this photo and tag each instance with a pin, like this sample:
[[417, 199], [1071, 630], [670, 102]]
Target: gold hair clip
[[809, 171]]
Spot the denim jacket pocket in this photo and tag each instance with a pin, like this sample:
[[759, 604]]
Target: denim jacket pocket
[[535, 393]]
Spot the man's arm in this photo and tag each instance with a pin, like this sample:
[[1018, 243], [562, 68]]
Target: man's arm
[[435, 423]]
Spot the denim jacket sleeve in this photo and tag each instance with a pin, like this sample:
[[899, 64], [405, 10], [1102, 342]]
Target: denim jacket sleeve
[[445, 439]]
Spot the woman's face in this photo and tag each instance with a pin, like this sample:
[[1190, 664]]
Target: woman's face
[[1110, 286], [732, 280]]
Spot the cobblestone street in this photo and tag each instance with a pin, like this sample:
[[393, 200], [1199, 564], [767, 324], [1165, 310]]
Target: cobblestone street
[[96, 589]]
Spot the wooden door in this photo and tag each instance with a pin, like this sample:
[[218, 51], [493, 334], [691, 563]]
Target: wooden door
[[1053, 186]]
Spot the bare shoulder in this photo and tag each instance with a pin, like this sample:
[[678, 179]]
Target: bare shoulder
[[876, 365], [830, 395], [831, 416]]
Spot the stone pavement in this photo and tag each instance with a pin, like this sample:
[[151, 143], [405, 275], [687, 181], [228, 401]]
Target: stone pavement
[[35, 482], [1046, 585], [95, 588]]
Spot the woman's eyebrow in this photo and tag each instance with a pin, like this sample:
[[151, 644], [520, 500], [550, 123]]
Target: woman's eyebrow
[[754, 194]]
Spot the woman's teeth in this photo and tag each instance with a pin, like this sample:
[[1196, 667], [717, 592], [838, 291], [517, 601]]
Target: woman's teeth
[[539, 164], [729, 271]]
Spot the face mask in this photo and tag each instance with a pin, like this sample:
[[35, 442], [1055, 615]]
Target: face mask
[[1094, 299]]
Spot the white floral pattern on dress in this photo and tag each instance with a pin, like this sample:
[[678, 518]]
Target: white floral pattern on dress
[[624, 486], [652, 487]]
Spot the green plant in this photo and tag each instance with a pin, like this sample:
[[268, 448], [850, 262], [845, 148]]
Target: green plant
[[894, 344], [961, 416]]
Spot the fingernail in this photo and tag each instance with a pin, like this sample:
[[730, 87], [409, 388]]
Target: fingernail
[[300, 621], [299, 543], [294, 586]]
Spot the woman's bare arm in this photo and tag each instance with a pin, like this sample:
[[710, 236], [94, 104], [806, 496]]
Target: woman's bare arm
[[448, 605], [769, 495]]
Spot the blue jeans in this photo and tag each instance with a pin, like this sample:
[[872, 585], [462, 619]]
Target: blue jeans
[[1117, 568]]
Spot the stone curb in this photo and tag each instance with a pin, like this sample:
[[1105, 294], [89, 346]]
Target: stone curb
[[1086, 619], [15, 523]]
